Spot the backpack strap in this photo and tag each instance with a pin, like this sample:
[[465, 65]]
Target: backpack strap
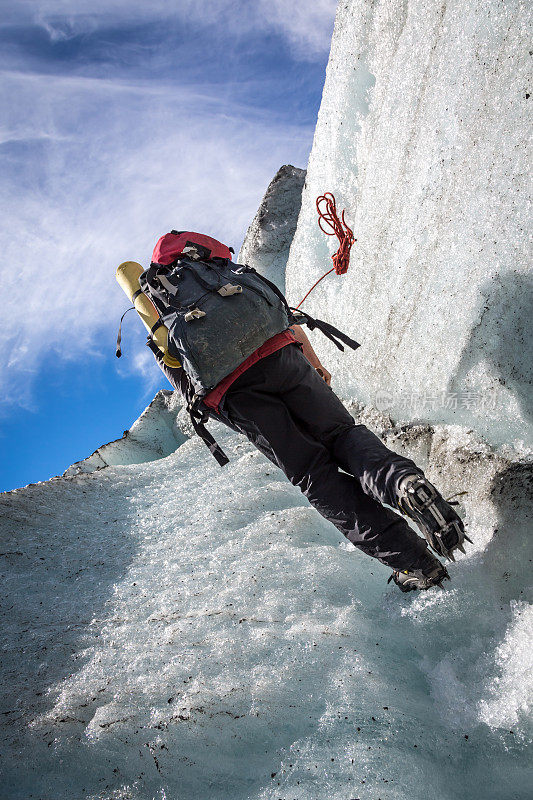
[[150, 273], [198, 419], [118, 351], [328, 330], [155, 326], [274, 288]]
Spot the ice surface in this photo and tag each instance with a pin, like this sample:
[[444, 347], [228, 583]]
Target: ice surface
[[268, 239], [180, 632], [153, 435], [175, 630], [423, 137]]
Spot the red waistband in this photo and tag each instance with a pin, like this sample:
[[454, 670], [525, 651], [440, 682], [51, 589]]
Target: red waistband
[[270, 346]]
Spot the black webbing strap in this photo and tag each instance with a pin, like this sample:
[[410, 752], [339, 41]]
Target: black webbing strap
[[198, 419], [198, 277], [118, 351], [136, 295], [328, 330], [151, 272], [155, 326], [274, 289]]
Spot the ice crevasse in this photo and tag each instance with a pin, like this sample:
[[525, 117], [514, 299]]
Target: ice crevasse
[[174, 630]]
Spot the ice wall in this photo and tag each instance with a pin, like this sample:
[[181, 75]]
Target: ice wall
[[174, 630], [423, 137], [268, 239]]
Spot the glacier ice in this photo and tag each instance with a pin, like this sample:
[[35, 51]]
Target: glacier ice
[[174, 630], [154, 435], [423, 135]]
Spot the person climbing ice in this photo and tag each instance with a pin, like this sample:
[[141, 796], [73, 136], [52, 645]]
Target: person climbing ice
[[237, 353]]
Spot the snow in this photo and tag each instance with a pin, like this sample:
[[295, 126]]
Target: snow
[[177, 630], [512, 693], [422, 136], [268, 239]]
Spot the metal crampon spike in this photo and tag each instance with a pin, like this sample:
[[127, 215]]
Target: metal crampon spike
[[442, 527]]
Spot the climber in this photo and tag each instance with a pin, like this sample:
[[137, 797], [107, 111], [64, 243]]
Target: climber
[[279, 397]]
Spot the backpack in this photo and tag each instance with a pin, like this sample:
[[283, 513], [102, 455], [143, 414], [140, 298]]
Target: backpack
[[217, 313]]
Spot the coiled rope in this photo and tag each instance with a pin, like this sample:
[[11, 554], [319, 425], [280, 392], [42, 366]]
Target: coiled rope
[[340, 229]]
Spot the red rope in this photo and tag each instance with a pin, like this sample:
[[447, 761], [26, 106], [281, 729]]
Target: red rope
[[340, 229]]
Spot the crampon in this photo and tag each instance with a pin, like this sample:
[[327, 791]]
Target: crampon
[[438, 521]]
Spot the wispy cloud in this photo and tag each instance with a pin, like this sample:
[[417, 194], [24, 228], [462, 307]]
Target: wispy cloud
[[98, 161], [306, 25], [92, 178]]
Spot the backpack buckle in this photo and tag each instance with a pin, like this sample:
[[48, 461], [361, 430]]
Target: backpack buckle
[[194, 313], [171, 288], [229, 289]]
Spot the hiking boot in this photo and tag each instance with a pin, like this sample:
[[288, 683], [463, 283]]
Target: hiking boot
[[440, 524], [409, 580]]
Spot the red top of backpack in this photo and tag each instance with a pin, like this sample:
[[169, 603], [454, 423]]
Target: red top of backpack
[[172, 244]]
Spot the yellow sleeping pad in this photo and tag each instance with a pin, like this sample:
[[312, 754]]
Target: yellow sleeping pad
[[127, 276]]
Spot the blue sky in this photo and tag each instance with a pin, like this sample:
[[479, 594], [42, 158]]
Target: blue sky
[[119, 122]]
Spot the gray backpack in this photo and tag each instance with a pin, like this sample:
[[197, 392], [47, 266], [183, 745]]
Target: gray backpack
[[217, 312]]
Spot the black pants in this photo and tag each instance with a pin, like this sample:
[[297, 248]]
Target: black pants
[[290, 414]]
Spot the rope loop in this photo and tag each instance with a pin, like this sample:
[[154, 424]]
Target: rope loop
[[336, 227]]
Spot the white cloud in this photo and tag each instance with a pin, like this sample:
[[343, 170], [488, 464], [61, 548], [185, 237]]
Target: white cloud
[[306, 24], [109, 167], [94, 170]]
